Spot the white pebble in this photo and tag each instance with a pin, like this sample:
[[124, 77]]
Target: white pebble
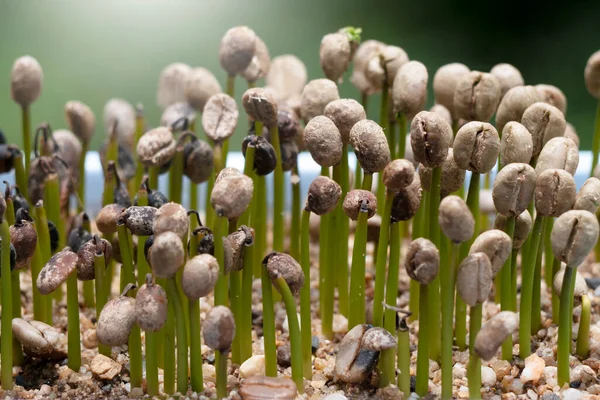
[[572, 394], [550, 376], [488, 377], [534, 367], [255, 365]]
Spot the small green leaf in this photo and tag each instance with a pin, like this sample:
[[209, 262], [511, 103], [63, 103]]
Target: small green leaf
[[352, 32]]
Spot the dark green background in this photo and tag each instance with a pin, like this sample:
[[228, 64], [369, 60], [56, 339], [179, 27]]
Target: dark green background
[[92, 51]]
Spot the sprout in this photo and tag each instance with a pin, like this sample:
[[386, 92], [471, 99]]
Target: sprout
[[283, 265], [106, 220], [199, 276], [119, 116], [555, 192], [422, 261], [139, 219], [357, 201], [516, 145], [220, 117], [231, 196], [475, 277], [156, 147], [81, 120], [476, 147], [354, 363], [344, 113], [39, 339], [508, 77], [234, 245], [552, 95], [495, 244], [166, 255], [155, 198], [455, 219], [398, 174], [315, 97], [592, 75], [171, 84], [237, 49], [581, 287], [573, 236], [444, 84], [523, 225], [409, 91], [494, 333], [287, 76], [430, 138], [370, 146], [324, 141], [57, 270], [323, 195], [117, 319], [23, 237], [514, 103], [513, 189], [151, 306], [171, 217], [86, 254], [26, 80], [407, 201], [559, 153], [265, 158], [260, 105], [335, 53], [544, 122], [200, 86]]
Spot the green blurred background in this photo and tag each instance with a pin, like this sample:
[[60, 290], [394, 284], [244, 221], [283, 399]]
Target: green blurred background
[[94, 50]]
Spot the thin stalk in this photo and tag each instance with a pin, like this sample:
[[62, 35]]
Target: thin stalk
[[245, 331], [221, 361], [74, 346], [404, 358], [221, 288], [548, 254], [296, 211], [99, 270], [367, 182], [419, 230], [513, 279], [596, 140], [460, 328], [392, 139], [435, 347], [153, 178], [260, 223], [555, 299], [235, 293], [168, 333], [422, 384], [152, 364], [536, 306], [18, 357], [324, 258], [448, 284], [176, 177], [583, 335], [139, 131], [382, 250], [401, 118], [81, 187], [564, 326], [278, 192], [527, 273], [45, 251], [39, 304], [268, 324], [195, 355], [208, 210], [181, 330], [383, 122], [357, 278], [6, 338], [26, 135], [342, 273], [332, 262], [305, 315], [20, 176], [389, 355], [294, 329], [506, 294], [474, 368]]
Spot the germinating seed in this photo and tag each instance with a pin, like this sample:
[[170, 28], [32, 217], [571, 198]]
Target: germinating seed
[[573, 236], [171, 217], [378, 339], [197, 161], [265, 159], [555, 192], [26, 80], [77, 237], [570, 133], [117, 319], [394, 58], [453, 176], [496, 244], [442, 112], [225, 172], [323, 195], [231, 196], [171, 84], [523, 225], [409, 91], [81, 120], [353, 362], [57, 270], [200, 85], [260, 63], [287, 76], [285, 266], [552, 95], [444, 84], [494, 332], [370, 146], [422, 261], [151, 306], [156, 147], [455, 219], [288, 124], [516, 145], [560, 153], [260, 105], [398, 174], [592, 75], [430, 138], [514, 103], [166, 255], [206, 243], [106, 220], [513, 189], [324, 141], [407, 201], [220, 117], [334, 54], [476, 96], [218, 329], [23, 237], [177, 112], [39, 339], [476, 147], [289, 155], [544, 122], [315, 97], [236, 49], [345, 113], [139, 219], [588, 197], [119, 116], [508, 77], [200, 276], [356, 200], [258, 387], [86, 254], [474, 279], [234, 245]]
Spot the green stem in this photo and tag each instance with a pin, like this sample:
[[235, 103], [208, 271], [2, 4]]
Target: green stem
[[555, 299], [527, 273], [152, 364], [324, 282], [153, 178], [296, 211], [268, 324], [306, 318], [506, 294], [513, 279], [331, 262], [168, 333], [382, 250], [278, 192], [367, 182], [20, 176], [39, 304], [81, 187], [583, 335], [596, 141], [419, 230], [342, 272], [101, 298], [392, 139], [401, 118], [448, 284], [245, 331], [404, 358], [195, 354], [221, 288], [548, 255], [536, 306], [474, 368], [422, 385], [260, 223], [294, 329], [74, 346], [221, 361], [6, 338], [26, 134], [388, 356], [45, 251], [357, 278], [358, 175], [235, 293], [564, 326], [435, 347], [18, 357], [176, 177], [181, 330]]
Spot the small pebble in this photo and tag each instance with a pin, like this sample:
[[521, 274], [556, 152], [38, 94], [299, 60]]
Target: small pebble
[[532, 395], [550, 376], [534, 367], [45, 390], [488, 377], [136, 392], [208, 372], [501, 368], [104, 367], [459, 371], [550, 396], [340, 324], [315, 344], [335, 396], [255, 365], [572, 394], [583, 373]]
